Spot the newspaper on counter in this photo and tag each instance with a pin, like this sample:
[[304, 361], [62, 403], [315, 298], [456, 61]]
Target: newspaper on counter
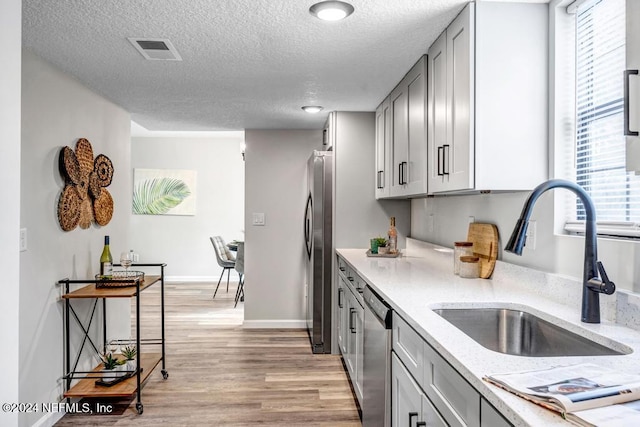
[[586, 394]]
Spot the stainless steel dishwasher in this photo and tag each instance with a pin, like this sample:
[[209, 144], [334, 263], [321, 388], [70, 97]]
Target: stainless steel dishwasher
[[376, 382]]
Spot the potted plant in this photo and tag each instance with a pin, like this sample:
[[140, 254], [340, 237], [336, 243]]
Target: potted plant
[[381, 242], [129, 353], [111, 366]]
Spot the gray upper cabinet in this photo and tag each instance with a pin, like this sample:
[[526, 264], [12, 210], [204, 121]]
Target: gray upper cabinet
[[383, 146], [487, 100], [632, 46], [401, 137]]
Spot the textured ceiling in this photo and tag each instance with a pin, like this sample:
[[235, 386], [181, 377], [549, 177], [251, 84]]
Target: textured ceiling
[[247, 64]]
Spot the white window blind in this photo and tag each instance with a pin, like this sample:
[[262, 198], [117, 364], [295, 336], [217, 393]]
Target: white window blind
[[600, 144]]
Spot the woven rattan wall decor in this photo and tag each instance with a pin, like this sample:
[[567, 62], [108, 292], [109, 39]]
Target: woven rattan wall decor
[[85, 198]]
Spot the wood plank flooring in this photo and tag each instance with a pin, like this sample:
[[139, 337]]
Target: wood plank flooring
[[223, 375]]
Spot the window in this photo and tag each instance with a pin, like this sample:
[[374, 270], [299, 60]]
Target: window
[[599, 141]]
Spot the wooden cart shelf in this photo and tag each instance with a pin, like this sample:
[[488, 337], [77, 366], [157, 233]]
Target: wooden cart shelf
[[85, 382], [87, 387], [91, 291]]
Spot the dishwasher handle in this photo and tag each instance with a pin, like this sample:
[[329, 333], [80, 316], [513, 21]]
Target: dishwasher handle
[[378, 306]]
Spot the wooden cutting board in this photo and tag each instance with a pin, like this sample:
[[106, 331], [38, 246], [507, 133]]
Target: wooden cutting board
[[485, 246]]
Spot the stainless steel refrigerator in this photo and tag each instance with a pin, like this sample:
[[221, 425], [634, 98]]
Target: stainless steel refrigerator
[[319, 245]]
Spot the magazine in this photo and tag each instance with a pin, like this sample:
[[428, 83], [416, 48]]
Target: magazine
[[586, 394]]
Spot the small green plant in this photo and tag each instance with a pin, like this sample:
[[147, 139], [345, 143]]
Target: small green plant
[[109, 362], [129, 352], [381, 241]]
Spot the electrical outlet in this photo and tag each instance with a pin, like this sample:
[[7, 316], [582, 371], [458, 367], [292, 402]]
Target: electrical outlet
[[430, 223], [531, 236], [258, 218], [23, 239], [472, 219]]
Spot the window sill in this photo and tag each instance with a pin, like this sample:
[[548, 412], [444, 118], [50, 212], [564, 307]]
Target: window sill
[[611, 229]]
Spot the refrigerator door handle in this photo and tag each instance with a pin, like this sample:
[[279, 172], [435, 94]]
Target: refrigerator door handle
[[307, 226]]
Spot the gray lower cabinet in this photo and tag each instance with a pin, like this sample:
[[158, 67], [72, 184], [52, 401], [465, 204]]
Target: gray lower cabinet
[[409, 405], [420, 374], [489, 417], [350, 324], [341, 317]]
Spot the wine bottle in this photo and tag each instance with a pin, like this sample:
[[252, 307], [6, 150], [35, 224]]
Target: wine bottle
[[393, 237], [106, 261]]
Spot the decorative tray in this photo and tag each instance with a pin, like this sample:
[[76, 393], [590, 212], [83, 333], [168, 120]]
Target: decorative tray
[[108, 382], [396, 255], [120, 279]]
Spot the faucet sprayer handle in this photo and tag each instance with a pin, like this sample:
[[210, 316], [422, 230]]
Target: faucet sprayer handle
[[604, 286], [609, 286]]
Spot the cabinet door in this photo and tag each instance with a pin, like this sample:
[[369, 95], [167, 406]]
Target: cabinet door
[[459, 151], [431, 416], [349, 336], [359, 348], [340, 318], [399, 140], [437, 113], [406, 396], [489, 417], [383, 129], [415, 170], [632, 44]]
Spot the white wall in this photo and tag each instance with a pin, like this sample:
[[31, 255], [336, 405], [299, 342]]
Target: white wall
[[182, 242], [11, 42], [276, 184], [56, 111], [358, 215]]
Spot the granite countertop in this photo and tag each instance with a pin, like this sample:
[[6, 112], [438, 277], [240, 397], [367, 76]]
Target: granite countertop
[[422, 279]]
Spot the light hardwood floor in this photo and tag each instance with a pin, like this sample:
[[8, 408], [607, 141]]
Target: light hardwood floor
[[221, 374]]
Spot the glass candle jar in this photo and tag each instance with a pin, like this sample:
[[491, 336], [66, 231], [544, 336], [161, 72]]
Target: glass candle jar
[[461, 249], [470, 267]]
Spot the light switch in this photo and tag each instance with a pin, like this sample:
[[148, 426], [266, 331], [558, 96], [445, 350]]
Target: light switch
[[23, 239], [258, 218]]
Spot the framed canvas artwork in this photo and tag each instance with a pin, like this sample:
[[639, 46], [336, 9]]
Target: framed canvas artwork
[[164, 192]]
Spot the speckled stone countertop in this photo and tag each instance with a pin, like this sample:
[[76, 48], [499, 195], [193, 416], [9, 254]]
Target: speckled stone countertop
[[422, 279]]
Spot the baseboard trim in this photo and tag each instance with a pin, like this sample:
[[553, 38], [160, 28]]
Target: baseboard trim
[[50, 419], [274, 324], [194, 279]]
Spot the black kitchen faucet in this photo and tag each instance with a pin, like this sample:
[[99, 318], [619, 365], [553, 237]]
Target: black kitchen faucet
[[593, 284]]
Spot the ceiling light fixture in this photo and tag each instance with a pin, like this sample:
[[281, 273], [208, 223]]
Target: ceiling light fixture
[[312, 109], [331, 10]]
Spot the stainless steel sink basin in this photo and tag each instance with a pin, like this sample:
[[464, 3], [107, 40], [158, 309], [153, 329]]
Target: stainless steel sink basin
[[521, 334]]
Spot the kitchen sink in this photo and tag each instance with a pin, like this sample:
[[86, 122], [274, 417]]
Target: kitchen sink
[[520, 333]]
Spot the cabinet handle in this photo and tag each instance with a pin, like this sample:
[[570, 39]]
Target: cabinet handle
[[404, 173], [400, 173], [421, 424], [380, 179], [342, 268], [445, 161], [411, 415], [351, 327], [340, 291], [440, 150], [350, 279], [627, 131]]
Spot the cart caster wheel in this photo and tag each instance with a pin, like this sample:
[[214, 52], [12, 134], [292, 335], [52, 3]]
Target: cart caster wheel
[[139, 408], [165, 374]]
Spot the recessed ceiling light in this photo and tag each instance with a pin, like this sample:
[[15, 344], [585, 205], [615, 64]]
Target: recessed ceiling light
[[331, 10], [312, 109]]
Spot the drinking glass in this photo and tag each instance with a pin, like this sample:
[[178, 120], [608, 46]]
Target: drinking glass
[[126, 259]]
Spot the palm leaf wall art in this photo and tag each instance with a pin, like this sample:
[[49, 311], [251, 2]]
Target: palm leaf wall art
[[159, 195]]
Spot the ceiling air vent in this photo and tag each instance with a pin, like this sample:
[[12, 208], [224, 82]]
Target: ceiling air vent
[[157, 49]]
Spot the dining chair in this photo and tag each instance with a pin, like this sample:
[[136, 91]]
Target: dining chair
[[240, 269], [225, 259]]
